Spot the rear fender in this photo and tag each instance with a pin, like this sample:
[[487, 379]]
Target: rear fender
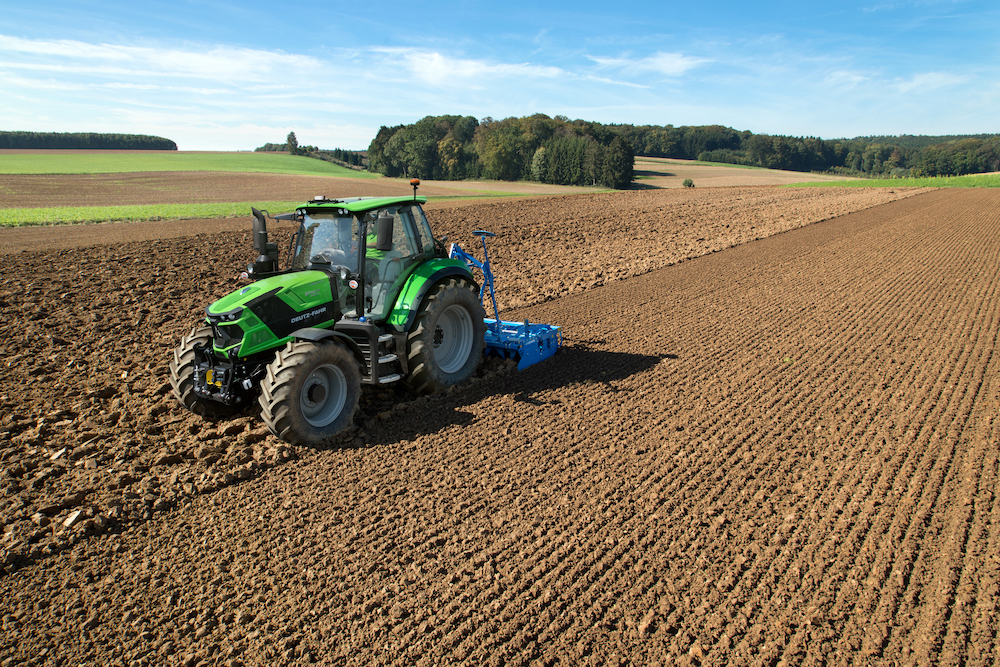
[[419, 283]]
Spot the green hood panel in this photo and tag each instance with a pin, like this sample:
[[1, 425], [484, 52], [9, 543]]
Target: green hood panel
[[300, 290], [262, 315]]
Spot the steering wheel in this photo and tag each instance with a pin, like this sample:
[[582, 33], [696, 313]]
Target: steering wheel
[[335, 255]]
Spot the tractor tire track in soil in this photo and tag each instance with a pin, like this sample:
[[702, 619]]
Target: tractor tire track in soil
[[784, 453]]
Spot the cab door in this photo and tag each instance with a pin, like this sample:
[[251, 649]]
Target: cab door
[[391, 269]]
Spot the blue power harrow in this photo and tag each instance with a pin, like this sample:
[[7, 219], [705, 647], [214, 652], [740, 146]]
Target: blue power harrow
[[524, 342]]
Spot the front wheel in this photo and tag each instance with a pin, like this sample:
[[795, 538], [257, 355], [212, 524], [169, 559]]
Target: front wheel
[[447, 342], [310, 392]]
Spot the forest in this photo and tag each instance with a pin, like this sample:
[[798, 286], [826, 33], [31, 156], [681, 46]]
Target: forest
[[557, 150], [84, 141], [884, 156], [538, 148]]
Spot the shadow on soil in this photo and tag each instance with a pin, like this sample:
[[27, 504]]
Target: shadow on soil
[[394, 415], [639, 173], [640, 182]]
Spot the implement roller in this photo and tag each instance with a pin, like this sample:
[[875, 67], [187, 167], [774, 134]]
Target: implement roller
[[523, 342]]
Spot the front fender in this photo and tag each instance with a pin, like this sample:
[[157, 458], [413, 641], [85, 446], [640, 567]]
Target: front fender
[[315, 335]]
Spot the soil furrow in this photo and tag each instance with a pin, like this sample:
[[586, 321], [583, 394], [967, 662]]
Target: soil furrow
[[784, 452]]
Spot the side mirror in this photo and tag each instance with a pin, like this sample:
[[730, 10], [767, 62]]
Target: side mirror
[[383, 238]]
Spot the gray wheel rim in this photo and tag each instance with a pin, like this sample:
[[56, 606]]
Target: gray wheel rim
[[453, 338], [323, 395]]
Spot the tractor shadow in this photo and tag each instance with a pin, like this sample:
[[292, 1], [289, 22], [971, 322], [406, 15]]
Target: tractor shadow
[[389, 416]]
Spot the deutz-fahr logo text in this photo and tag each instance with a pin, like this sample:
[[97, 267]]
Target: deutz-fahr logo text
[[306, 316]]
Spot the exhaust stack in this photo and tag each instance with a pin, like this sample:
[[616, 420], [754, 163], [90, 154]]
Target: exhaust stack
[[267, 253]]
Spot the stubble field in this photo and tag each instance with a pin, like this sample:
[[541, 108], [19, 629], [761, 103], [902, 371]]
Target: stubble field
[[770, 439]]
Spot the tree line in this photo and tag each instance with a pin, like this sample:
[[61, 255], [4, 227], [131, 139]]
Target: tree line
[[290, 146], [84, 140], [900, 156], [577, 152], [345, 158], [539, 148]]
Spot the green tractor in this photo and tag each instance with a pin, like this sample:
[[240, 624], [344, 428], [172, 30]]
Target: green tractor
[[367, 296]]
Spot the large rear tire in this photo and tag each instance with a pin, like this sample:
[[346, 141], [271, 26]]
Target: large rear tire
[[310, 392], [182, 377], [447, 341]]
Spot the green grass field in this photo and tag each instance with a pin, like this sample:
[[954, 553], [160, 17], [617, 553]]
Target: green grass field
[[64, 215], [75, 215], [695, 163], [98, 162], [975, 181]]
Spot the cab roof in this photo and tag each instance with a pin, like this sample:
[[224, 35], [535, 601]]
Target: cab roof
[[360, 204]]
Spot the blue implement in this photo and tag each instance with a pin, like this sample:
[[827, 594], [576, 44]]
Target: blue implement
[[523, 342]]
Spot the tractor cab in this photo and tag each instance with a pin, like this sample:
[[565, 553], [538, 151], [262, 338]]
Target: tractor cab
[[374, 243]]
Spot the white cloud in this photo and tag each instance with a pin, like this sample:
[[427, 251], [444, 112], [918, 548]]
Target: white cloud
[[61, 85], [667, 64], [844, 79], [219, 63], [614, 82], [929, 81], [20, 83], [441, 70]]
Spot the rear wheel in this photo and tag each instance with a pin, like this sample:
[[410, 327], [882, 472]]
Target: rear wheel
[[447, 341], [310, 392], [182, 369]]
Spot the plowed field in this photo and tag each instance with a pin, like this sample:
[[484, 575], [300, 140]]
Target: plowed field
[[782, 452], [42, 190]]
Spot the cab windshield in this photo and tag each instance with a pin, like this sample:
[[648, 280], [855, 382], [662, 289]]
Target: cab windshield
[[329, 234]]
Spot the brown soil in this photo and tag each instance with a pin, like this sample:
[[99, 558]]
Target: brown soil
[[786, 452], [654, 172], [180, 187], [49, 190]]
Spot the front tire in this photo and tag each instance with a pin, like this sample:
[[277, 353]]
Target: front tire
[[182, 376], [310, 392], [446, 344]]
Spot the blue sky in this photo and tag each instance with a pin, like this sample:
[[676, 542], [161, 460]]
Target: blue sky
[[227, 75]]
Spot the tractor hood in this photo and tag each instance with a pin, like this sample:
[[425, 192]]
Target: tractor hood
[[257, 317]]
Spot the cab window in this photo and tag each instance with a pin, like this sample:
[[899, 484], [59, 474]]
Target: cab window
[[329, 234], [426, 239]]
